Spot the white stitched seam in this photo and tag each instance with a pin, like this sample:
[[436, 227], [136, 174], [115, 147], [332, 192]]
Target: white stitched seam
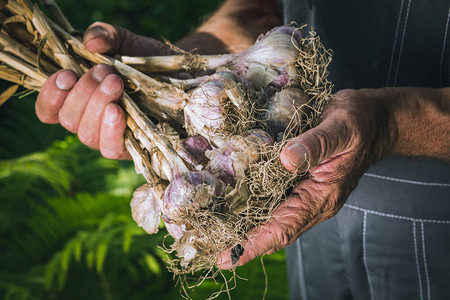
[[401, 44], [417, 260], [406, 180], [425, 266], [396, 216], [365, 257], [395, 43], [443, 48]]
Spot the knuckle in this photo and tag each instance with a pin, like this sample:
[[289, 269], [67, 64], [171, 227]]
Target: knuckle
[[85, 88], [346, 93]]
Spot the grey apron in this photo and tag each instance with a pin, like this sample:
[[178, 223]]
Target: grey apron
[[391, 240]]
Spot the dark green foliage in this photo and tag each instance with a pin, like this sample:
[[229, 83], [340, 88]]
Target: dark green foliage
[[66, 230], [171, 19]]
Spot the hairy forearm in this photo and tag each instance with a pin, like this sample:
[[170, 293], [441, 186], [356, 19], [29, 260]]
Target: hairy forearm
[[234, 27], [422, 117]]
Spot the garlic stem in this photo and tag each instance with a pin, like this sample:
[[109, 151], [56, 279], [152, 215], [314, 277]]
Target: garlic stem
[[23, 67], [174, 63], [140, 159], [160, 94], [11, 46], [61, 53], [153, 133]]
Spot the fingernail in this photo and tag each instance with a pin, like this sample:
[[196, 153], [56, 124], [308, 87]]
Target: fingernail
[[94, 33], [111, 85], [297, 154], [99, 72], [111, 114], [65, 80]]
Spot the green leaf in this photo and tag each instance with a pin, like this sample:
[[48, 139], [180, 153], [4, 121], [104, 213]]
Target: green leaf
[[152, 264], [90, 257], [102, 249], [77, 250], [66, 256]]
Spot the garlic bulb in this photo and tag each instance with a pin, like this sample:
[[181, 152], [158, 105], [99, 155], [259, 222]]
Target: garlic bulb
[[192, 190], [206, 111], [146, 208], [271, 60], [282, 108], [230, 162], [192, 149]]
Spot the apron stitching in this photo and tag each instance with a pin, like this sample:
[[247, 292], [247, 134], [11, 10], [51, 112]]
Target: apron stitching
[[365, 257], [396, 216], [425, 266], [417, 260]]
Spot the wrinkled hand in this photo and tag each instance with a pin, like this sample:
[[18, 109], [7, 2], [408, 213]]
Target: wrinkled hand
[[354, 132], [88, 105]]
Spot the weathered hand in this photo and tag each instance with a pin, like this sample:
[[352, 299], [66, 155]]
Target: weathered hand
[[88, 105], [354, 131]]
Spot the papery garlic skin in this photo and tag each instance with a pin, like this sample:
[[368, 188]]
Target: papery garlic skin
[[177, 231], [190, 190], [192, 149], [161, 166], [206, 114], [230, 162], [282, 107], [221, 164], [146, 208], [271, 60]]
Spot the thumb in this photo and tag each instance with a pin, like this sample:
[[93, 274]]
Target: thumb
[[315, 145], [105, 38]]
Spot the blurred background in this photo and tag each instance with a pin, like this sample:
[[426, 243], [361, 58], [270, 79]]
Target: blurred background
[[66, 230]]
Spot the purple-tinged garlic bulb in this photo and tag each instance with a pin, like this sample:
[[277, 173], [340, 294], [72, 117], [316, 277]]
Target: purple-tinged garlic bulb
[[253, 142], [283, 108], [207, 111], [230, 162], [146, 208], [192, 149], [271, 60], [191, 190], [177, 231]]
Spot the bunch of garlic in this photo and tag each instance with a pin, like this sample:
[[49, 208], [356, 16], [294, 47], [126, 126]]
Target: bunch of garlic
[[233, 112]]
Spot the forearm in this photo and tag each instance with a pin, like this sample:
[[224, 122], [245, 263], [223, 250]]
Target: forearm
[[422, 117], [234, 27]]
